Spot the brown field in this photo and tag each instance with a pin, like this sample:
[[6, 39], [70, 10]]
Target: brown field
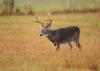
[[22, 49]]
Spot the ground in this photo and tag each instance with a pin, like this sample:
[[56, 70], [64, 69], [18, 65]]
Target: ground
[[22, 49]]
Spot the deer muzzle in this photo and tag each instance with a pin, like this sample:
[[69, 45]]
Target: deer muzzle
[[41, 34]]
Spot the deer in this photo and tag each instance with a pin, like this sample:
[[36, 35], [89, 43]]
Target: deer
[[60, 35]]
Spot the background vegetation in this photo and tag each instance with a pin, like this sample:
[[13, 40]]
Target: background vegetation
[[43, 6]]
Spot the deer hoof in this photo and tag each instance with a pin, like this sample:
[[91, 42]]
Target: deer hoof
[[54, 44]]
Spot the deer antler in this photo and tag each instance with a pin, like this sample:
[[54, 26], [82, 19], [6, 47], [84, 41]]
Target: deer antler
[[42, 24], [50, 21]]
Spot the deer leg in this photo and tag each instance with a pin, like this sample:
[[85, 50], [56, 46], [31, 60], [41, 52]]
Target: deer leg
[[70, 45], [58, 47], [78, 43], [79, 46], [54, 44]]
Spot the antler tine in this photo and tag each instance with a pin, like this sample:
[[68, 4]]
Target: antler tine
[[36, 18], [50, 20]]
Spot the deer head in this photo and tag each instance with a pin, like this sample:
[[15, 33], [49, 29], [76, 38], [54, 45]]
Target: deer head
[[44, 28]]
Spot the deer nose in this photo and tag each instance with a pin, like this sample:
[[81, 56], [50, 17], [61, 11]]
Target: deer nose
[[41, 35]]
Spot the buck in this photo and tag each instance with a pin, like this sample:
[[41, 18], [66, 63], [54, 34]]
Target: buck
[[61, 35]]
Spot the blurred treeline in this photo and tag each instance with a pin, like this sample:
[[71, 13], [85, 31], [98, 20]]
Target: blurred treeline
[[8, 7]]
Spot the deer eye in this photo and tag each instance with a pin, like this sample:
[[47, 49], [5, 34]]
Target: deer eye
[[43, 30]]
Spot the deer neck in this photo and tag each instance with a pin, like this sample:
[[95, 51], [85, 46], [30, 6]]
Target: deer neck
[[50, 33]]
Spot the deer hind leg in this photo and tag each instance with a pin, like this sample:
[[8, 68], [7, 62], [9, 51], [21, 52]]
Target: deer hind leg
[[78, 43], [79, 46], [70, 45]]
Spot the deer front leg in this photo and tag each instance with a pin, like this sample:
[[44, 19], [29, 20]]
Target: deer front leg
[[55, 44], [70, 45], [58, 47]]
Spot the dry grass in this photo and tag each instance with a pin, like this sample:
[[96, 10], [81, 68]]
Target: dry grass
[[22, 49]]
